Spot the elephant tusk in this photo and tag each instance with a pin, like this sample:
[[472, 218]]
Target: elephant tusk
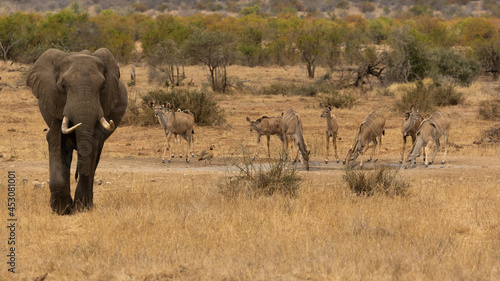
[[64, 126], [108, 126]]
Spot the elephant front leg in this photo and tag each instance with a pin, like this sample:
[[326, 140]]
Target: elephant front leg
[[60, 157]]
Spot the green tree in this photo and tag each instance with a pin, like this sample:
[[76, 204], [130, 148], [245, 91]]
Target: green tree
[[311, 42], [214, 49], [16, 32], [117, 34]]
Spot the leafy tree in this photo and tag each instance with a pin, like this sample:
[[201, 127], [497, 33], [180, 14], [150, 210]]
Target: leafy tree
[[311, 43], [379, 29], [488, 53], [250, 44], [214, 49], [253, 10], [117, 34], [407, 59], [16, 31], [163, 29]]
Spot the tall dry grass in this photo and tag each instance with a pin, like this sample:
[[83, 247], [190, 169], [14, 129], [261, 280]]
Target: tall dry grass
[[180, 227]]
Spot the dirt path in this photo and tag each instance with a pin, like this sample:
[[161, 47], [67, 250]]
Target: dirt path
[[150, 165]]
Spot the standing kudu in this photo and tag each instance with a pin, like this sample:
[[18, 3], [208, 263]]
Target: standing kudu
[[410, 126], [175, 123], [372, 128], [265, 126], [431, 129], [332, 128], [291, 126]]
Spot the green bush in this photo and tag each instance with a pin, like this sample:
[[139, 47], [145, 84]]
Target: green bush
[[382, 181], [200, 103], [427, 98], [257, 180], [448, 63]]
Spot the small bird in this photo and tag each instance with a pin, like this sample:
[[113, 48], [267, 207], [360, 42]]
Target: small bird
[[207, 156]]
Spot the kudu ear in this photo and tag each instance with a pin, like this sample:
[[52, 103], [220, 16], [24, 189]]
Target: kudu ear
[[151, 104], [248, 119]]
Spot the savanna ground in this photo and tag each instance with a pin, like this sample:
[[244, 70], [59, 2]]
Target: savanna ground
[[156, 221]]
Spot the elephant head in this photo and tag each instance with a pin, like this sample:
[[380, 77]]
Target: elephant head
[[77, 94]]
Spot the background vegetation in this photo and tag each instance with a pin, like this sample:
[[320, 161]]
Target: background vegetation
[[424, 41]]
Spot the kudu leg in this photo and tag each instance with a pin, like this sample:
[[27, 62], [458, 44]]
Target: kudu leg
[[435, 152], [327, 146], [256, 152], [169, 136], [268, 149], [334, 141], [445, 141], [188, 143], [403, 150], [373, 150], [164, 151]]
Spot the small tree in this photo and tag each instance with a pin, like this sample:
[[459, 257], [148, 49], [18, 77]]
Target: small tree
[[213, 49], [311, 43], [167, 59]]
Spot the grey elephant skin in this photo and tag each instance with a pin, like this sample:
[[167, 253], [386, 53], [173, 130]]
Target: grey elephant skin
[[82, 100]]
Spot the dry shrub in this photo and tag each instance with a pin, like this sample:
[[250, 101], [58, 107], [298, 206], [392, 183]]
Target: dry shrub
[[339, 100], [427, 97], [491, 135], [380, 181], [257, 180], [490, 110]]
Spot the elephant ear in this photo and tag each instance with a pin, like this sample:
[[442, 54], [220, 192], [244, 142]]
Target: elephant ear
[[112, 91], [42, 78]]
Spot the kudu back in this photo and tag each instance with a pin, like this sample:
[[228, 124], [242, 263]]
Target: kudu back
[[265, 126], [291, 126], [369, 131], [430, 131]]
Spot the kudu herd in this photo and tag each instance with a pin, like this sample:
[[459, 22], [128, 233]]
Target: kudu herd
[[288, 128]]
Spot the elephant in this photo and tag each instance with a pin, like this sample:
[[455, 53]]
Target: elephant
[[77, 94]]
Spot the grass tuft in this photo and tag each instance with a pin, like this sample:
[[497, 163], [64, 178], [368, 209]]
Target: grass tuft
[[379, 181], [257, 180]]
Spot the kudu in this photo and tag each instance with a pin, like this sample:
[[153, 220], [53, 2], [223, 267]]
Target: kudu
[[430, 131], [410, 126], [175, 123], [372, 128], [332, 128], [265, 126], [291, 126]]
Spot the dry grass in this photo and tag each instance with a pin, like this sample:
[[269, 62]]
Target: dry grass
[[159, 222]]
